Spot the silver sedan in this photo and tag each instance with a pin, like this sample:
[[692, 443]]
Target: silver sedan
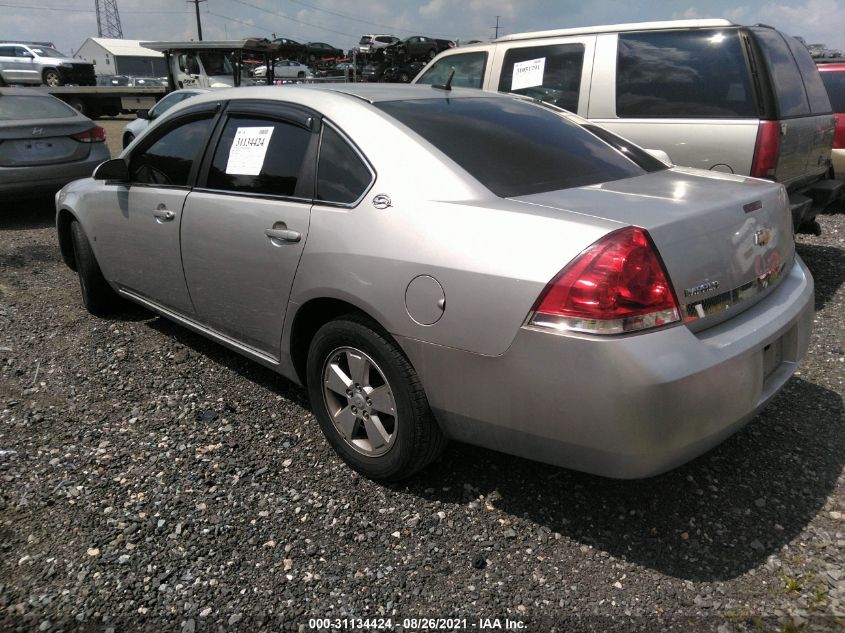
[[436, 263], [44, 144]]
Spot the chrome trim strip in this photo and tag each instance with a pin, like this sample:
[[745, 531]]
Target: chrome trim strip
[[731, 298], [201, 329]]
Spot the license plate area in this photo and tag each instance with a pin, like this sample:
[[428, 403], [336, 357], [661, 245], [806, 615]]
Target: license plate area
[[772, 357]]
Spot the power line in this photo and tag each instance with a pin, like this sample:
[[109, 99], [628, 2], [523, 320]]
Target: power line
[[70, 10], [350, 17], [226, 17], [287, 17]]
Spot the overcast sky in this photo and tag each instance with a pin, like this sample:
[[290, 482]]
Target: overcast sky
[[68, 22]]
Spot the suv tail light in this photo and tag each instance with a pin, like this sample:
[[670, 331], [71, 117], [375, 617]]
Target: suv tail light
[[839, 133], [766, 150], [95, 135], [617, 285]]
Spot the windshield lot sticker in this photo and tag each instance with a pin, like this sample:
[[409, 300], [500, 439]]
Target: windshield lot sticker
[[246, 156], [528, 73]]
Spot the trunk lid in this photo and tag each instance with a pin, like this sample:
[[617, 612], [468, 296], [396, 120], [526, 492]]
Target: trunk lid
[[725, 240], [42, 142]]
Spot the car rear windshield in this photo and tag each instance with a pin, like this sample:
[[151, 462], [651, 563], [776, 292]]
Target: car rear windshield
[[513, 148], [834, 81], [23, 107]]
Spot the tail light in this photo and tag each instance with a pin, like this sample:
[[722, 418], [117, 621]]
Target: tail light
[[767, 150], [95, 135], [839, 134], [617, 285], [452, 45]]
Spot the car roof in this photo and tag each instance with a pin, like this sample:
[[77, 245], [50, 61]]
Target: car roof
[[613, 28], [369, 92]]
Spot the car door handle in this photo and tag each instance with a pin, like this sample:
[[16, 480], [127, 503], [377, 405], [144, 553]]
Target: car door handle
[[163, 214], [283, 235]]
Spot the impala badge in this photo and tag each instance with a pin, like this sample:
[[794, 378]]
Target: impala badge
[[38, 131], [762, 237], [700, 289], [382, 201]]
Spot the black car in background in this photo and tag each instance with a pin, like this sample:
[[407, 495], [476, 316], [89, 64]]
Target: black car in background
[[419, 47], [374, 71], [317, 51], [402, 73], [289, 49]]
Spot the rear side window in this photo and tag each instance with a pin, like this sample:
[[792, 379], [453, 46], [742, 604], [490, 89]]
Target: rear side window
[[342, 176], [469, 70], [169, 159], [277, 172], [547, 73], [512, 147], [788, 83], [816, 93], [834, 81], [678, 74], [23, 107]]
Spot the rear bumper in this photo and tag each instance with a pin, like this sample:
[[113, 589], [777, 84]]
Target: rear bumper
[[48, 179], [807, 202], [623, 407]]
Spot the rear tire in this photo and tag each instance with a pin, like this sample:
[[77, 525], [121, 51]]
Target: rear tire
[[52, 78], [388, 438], [97, 296]]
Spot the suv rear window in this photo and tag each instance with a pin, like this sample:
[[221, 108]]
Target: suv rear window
[[834, 81], [677, 74], [513, 148], [788, 83]]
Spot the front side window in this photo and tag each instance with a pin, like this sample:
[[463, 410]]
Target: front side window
[[166, 103], [169, 159], [469, 70], [342, 176], [547, 73], [260, 156], [513, 147], [677, 74]]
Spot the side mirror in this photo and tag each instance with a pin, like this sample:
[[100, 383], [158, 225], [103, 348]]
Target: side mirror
[[114, 169], [143, 114]]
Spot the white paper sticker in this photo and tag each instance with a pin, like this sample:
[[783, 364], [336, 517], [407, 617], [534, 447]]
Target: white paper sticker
[[246, 156], [528, 73]]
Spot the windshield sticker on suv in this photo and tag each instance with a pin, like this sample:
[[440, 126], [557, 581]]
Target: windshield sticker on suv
[[528, 73], [246, 156]]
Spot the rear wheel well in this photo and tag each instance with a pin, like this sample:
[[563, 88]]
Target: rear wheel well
[[63, 222], [311, 317]]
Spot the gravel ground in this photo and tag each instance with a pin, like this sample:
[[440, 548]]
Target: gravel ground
[[152, 479]]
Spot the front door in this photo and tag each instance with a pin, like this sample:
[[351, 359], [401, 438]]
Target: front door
[[243, 233], [147, 227]]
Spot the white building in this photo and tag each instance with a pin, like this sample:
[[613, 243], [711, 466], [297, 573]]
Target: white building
[[122, 57]]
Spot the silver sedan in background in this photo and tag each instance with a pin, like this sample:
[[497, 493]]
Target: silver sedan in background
[[520, 279], [44, 144]]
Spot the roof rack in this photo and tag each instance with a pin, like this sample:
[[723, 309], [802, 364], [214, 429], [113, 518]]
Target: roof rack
[[613, 28]]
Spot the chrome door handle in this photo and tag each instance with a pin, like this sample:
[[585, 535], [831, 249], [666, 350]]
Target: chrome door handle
[[283, 235], [163, 215]]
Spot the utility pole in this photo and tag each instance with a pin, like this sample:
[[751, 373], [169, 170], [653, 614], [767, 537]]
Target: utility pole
[[496, 36], [199, 24]]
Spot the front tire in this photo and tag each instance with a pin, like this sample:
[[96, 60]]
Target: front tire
[[97, 296], [369, 401], [52, 78]]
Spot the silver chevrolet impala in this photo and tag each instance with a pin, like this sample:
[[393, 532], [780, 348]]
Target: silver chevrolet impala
[[436, 263]]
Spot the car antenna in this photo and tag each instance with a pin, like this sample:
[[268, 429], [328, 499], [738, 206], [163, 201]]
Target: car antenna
[[448, 84]]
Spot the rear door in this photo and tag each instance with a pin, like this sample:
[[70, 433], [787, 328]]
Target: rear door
[[802, 107], [244, 229]]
